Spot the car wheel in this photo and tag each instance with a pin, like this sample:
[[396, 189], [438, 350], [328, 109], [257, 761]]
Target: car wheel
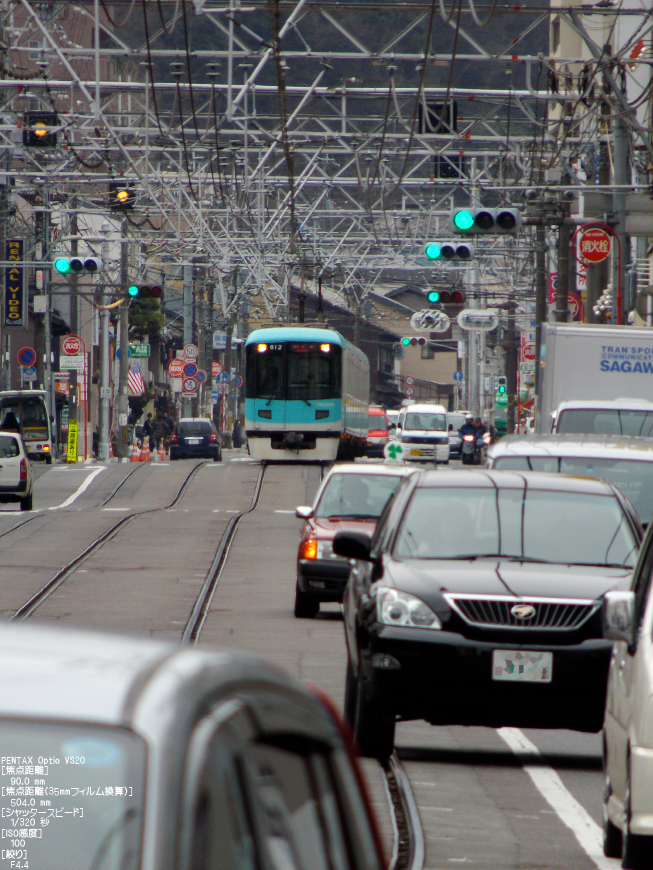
[[637, 851], [612, 838], [26, 504], [374, 727], [48, 460], [306, 606], [350, 695]]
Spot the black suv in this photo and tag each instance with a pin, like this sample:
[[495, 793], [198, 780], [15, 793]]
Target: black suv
[[195, 437]]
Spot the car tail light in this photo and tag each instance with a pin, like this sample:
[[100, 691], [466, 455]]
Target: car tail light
[[214, 437], [308, 549], [23, 469], [174, 439], [46, 447]]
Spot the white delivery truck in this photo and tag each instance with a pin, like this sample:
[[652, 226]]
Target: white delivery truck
[[596, 379]]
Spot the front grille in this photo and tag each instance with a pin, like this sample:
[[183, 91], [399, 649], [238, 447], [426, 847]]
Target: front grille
[[408, 439], [494, 611]]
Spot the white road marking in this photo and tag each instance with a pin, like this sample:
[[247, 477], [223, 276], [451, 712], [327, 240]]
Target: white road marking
[[570, 812], [84, 486], [116, 509], [284, 512], [221, 511]]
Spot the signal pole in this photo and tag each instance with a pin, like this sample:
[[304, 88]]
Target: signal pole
[[123, 388], [105, 387]]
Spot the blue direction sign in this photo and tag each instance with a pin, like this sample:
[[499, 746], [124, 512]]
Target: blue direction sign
[[190, 370], [223, 378], [215, 395], [201, 376], [458, 376], [27, 356]]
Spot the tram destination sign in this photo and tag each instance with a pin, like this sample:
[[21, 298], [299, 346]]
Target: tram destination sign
[[15, 283]]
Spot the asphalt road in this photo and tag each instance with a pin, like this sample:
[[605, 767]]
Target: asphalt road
[[487, 799]]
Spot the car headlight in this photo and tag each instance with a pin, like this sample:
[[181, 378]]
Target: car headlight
[[401, 608], [325, 549]]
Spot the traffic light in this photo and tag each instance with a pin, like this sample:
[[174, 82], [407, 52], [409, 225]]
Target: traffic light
[[502, 385], [77, 265], [145, 291], [121, 195], [38, 129], [413, 341], [455, 297], [493, 221], [449, 251]]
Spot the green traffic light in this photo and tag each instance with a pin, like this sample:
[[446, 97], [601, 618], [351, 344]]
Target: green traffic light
[[62, 266], [463, 220], [432, 251], [405, 341], [502, 389], [133, 290], [434, 296]]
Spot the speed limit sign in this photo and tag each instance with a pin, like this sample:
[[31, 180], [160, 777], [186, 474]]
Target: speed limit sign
[[410, 391]]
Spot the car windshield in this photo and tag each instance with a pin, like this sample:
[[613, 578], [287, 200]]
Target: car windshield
[[199, 428], [356, 495], [30, 414], [377, 421], [568, 528], [434, 422], [633, 477], [72, 796], [605, 421], [456, 420]]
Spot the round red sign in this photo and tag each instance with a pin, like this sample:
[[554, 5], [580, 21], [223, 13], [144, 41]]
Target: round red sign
[[176, 368], [529, 351], [594, 245], [71, 345]]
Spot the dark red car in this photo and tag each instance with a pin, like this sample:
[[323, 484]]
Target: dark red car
[[351, 498]]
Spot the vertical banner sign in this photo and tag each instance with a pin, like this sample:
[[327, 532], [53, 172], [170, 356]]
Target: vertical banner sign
[[14, 284], [73, 427]]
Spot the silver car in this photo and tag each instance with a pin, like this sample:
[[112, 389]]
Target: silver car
[[122, 754], [623, 461], [15, 471]]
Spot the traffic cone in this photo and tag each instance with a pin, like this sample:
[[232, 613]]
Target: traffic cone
[[145, 452], [111, 453], [135, 457], [162, 452]]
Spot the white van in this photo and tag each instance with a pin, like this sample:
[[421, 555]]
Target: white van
[[423, 430]]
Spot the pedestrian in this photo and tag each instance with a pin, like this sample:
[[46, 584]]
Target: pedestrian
[[148, 430], [160, 431], [237, 434], [10, 423]]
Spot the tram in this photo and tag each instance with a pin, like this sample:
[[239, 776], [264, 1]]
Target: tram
[[306, 395]]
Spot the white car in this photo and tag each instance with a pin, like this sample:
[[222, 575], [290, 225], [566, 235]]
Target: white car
[[15, 471], [628, 726]]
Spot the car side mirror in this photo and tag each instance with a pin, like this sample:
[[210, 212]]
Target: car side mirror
[[619, 616], [304, 512], [352, 545]]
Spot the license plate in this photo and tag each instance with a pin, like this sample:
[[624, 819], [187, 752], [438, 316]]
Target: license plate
[[415, 452], [522, 666], [194, 440]]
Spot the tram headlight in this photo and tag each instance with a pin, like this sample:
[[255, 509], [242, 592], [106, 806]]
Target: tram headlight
[[261, 348], [325, 348]]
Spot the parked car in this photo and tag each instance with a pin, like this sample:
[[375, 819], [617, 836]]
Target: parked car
[[351, 497], [422, 429], [625, 462], [378, 433], [628, 727], [195, 437], [16, 482], [485, 587], [162, 756]]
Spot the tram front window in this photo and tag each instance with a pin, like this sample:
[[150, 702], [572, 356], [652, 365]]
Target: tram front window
[[313, 371], [265, 372]]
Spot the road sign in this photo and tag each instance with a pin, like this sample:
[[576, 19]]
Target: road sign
[[410, 391], [139, 350], [458, 377], [176, 368], [73, 427], [29, 374], [527, 367], [430, 321], [74, 362], [239, 380], [219, 341], [215, 395], [394, 451], [409, 380], [223, 378], [189, 385], [71, 345], [191, 351], [216, 368], [528, 351], [190, 369], [595, 245], [201, 376], [27, 356], [478, 318], [574, 303]]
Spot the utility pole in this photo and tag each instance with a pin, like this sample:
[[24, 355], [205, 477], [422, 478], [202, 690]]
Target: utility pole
[[188, 326], [621, 163], [73, 394], [564, 265], [123, 388], [47, 287], [540, 297], [105, 386]]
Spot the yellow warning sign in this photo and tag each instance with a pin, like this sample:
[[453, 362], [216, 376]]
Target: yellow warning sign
[[72, 440]]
